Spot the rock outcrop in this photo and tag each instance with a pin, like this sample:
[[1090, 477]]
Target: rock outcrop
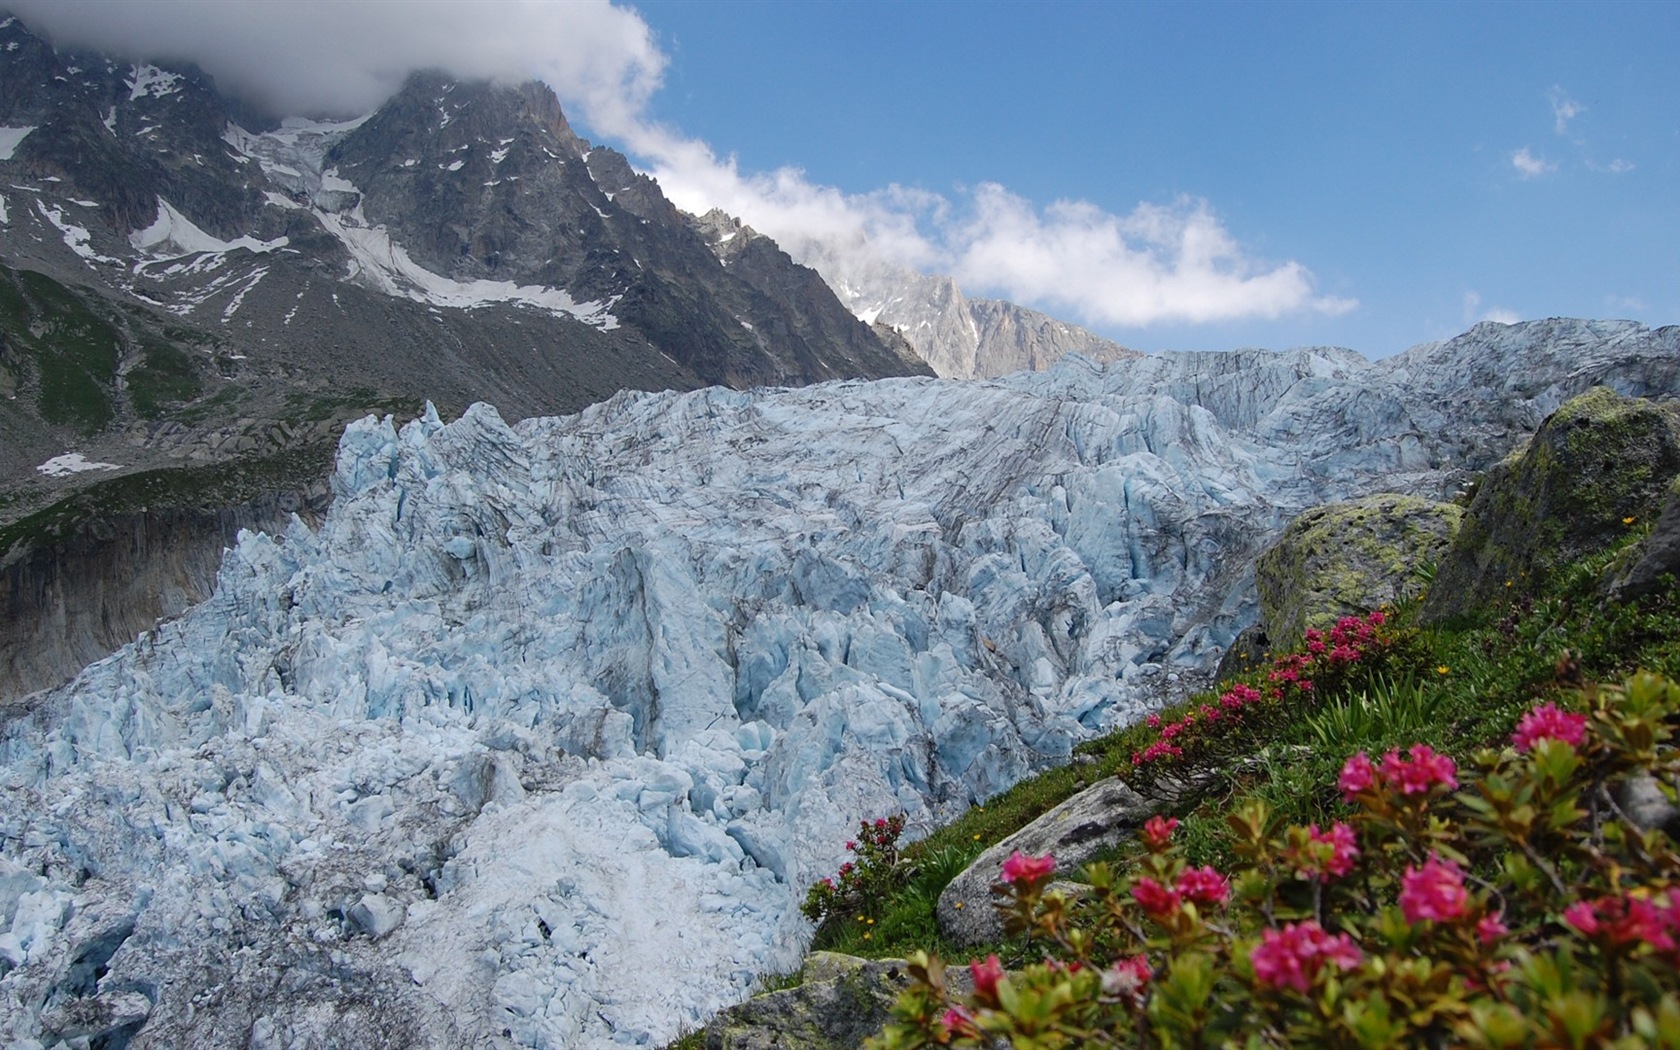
[[840, 1001], [1597, 466], [1346, 559], [1096, 819], [1655, 556]]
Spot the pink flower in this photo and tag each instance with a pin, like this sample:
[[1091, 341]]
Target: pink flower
[[1153, 721], [1315, 647], [1376, 619], [851, 845], [1027, 869], [958, 1021], [1583, 916], [1491, 928], [1627, 920], [1330, 854], [1434, 891], [1548, 722], [1127, 977], [1155, 898], [1157, 832], [1292, 956], [1204, 885], [1357, 774], [1421, 771], [986, 976], [1343, 654]]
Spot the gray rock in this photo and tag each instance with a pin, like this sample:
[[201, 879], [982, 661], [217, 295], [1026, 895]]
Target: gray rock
[[1596, 465], [1349, 558], [1096, 819], [1656, 556], [1647, 807], [841, 1001]]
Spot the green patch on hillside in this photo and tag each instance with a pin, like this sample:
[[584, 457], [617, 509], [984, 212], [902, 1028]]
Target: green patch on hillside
[[75, 351], [164, 379], [205, 487]]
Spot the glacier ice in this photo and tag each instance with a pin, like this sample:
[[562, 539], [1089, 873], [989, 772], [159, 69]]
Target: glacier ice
[[536, 740]]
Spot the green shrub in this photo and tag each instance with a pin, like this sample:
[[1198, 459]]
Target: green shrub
[[1517, 908]]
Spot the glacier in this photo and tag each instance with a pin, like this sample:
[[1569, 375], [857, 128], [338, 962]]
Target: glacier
[[536, 740]]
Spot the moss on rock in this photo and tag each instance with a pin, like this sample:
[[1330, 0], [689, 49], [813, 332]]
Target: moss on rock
[[1345, 559], [1600, 464], [841, 1001]]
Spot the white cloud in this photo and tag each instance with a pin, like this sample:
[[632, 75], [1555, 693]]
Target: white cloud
[[1173, 262], [1529, 166], [1474, 313], [344, 57], [1158, 263], [1564, 108]]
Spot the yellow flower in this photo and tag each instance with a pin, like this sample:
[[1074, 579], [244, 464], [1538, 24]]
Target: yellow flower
[[1628, 521], [1507, 583], [976, 836], [957, 905], [867, 936], [1443, 669], [871, 922]]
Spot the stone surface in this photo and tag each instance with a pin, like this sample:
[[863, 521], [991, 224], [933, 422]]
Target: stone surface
[[841, 1001], [1347, 559], [1098, 818], [1598, 464], [1656, 556]]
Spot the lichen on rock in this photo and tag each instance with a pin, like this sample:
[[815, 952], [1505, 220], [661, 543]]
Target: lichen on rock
[[1599, 465], [1346, 559]]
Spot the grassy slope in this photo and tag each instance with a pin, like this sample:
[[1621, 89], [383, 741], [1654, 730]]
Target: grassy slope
[[1470, 682]]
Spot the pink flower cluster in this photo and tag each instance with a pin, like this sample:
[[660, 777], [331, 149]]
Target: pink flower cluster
[[1328, 854], [1422, 769], [1021, 867], [1549, 722], [1127, 977], [986, 976], [1435, 891], [1292, 956], [1352, 639], [1627, 919], [1203, 885], [1157, 833]]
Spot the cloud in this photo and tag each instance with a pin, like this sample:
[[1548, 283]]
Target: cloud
[[1156, 264], [1173, 262], [1564, 108], [1529, 166], [344, 57], [1473, 312]]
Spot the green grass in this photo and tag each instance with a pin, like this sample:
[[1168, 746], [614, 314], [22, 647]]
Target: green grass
[[164, 379]]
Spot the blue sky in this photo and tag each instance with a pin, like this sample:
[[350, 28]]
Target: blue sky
[[1171, 175], [1378, 146]]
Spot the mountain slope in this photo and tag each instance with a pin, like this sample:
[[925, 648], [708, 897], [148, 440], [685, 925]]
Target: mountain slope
[[538, 737]]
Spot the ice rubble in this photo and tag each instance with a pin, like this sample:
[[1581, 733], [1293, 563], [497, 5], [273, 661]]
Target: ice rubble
[[536, 740]]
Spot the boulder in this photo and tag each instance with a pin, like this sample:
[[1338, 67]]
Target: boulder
[[1598, 465], [1247, 651], [1346, 559], [1654, 557], [841, 1001], [1096, 819]]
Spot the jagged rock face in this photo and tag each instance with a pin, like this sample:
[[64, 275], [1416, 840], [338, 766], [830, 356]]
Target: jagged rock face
[[1600, 463], [1347, 559], [539, 738], [460, 244], [959, 336]]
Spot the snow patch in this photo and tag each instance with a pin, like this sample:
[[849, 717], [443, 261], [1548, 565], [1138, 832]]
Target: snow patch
[[5, 219], [453, 166], [498, 155], [388, 267], [72, 463], [149, 80], [9, 139], [173, 236], [76, 238]]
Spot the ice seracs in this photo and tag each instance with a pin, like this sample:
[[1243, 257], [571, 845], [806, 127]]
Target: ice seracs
[[538, 739]]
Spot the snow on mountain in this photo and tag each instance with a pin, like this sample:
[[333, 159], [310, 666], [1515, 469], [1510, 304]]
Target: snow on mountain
[[537, 740]]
